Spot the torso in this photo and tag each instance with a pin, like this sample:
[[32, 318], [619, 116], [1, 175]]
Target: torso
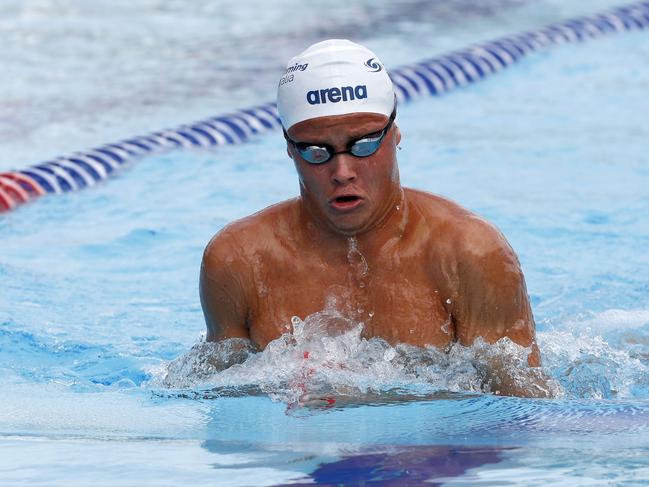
[[398, 291]]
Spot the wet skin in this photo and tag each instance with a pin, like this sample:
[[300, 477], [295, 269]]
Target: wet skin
[[413, 267]]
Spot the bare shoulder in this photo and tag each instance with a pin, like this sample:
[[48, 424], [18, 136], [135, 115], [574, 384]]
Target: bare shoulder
[[238, 240], [466, 232], [487, 287], [226, 282]]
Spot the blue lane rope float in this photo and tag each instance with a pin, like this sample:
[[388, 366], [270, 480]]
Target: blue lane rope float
[[430, 77]]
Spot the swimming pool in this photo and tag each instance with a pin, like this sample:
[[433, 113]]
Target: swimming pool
[[99, 294]]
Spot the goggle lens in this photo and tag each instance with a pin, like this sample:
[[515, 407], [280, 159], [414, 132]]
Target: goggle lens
[[319, 154], [366, 147], [314, 154]]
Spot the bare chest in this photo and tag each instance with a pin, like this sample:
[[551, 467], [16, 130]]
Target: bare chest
[[396, 300]]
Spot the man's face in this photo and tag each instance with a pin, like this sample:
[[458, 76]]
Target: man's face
[[349, 194]]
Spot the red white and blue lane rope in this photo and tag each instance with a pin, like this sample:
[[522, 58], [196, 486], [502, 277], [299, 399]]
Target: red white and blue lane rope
[[430, 77]]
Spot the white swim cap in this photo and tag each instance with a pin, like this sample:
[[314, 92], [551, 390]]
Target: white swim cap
[[333, 77]]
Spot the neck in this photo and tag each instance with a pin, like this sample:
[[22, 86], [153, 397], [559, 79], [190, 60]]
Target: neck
[[389, 224], [390, 227]]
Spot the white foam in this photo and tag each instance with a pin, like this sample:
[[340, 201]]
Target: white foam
[[326, 355]]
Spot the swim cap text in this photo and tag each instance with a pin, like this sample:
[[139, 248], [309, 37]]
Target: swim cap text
[[335, 95], [296, 67]]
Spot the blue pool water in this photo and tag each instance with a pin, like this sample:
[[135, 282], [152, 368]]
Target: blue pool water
[[99, 308]]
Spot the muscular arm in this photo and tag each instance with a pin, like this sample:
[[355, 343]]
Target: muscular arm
[[223, 289], [491, 302]]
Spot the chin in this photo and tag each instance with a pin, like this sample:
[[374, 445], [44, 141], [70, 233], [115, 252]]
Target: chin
[[347, 228]]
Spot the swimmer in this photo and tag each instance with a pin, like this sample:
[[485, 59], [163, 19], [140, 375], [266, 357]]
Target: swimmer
[[413, 267]]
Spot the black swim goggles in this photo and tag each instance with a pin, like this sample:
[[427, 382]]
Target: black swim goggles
[[367, 145]]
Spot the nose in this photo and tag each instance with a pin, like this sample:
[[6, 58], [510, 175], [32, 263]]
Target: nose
[[343, 169]]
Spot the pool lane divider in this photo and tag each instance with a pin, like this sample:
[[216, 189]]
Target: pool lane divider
[[430, 77]]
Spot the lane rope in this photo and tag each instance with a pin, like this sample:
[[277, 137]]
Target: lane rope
[[429, 77]]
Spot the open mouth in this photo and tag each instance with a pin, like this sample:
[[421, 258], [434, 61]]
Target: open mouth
[[346, 202], [346, 199]]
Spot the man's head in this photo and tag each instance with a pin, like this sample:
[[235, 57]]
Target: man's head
[[337, 106]]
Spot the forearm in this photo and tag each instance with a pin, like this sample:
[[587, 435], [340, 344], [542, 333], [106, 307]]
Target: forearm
[[505, 376], [226, 353]]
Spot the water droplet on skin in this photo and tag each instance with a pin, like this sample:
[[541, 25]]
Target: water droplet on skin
[[448, 301], [295, 320], [371, 313], [398, 207], [356, 259], [362, 284], [412, 331]]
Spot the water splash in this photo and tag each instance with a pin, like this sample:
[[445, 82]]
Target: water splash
[[325, 355], [589, 367], [204, 360]]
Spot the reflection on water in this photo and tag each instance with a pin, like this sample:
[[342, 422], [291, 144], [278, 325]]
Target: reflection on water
[[413, 465]]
